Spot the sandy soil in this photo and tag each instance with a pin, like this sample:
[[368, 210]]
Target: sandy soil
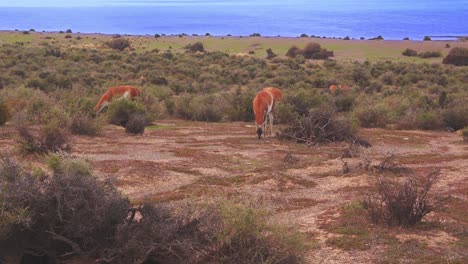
[[181, 159]]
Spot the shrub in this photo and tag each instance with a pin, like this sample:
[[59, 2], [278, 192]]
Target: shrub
[[430, 54], [464, 134], [118, 44], [457, 56], [409, 52], [428, 120], [52, 135], [293, 52], [136, 124], [4, 113], [120, 110], [319, 126], [315, 51], [343, 102], [372, 116], [84, 124], [201, 108], [379, 37], [311, 51], [224, 232], [241, 108], [303, 100], [427, 38], [195, 47], [455, 117], [270, 54], [71, 213], [402, 204]]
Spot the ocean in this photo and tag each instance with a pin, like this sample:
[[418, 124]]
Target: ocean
[[395, 19]]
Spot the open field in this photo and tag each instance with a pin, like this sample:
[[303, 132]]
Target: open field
[[403, 106], [179, 160], [345, 50]]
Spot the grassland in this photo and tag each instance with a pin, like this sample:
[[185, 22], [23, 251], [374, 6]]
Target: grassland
[[181, 158]]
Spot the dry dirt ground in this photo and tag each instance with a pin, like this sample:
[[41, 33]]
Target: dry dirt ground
[[304, 185]]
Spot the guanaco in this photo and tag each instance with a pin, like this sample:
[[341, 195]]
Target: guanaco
[[263, 106], [116, 91]]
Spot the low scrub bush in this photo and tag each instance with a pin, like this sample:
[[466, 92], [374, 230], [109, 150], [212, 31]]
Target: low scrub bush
[[457, 56], [222, 233], [304, 100], [464, 134], [270, 54], [315, 51], [195, 47], [455, 117], [402, 204], [52, 135], [372, 116], [118, 44], [72, 213], [410, 52], [241, 108], [428, 121], [293, 52], [318, 127], [342, 101], [209, 108], [430, 54], [84, 124], [311, 51], [120, 110], [136, 124]]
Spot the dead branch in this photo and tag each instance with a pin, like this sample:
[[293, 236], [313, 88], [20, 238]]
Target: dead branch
[[76, 248]]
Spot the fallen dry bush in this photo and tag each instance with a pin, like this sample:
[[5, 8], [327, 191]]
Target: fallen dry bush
[[319, 127]]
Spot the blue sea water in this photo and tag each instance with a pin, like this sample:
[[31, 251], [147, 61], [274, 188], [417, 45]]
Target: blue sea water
[[394, 19]]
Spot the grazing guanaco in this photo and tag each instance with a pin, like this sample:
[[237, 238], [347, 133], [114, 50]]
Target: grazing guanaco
[[116, 91], [340, 87], [263, 106]]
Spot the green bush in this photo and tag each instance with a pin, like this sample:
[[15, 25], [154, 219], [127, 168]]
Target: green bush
[[457, 56], [70, 213], [455, 117], [120, 110], [428, 121], [209, 108], [372, 116], [303, 100], [240, 105]]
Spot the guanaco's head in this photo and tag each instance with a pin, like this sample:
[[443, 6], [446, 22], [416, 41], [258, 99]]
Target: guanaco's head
[[259, 132]]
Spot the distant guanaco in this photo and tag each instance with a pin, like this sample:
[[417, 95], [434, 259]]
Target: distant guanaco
[[263, 106], [116, 91], [340, 87]]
